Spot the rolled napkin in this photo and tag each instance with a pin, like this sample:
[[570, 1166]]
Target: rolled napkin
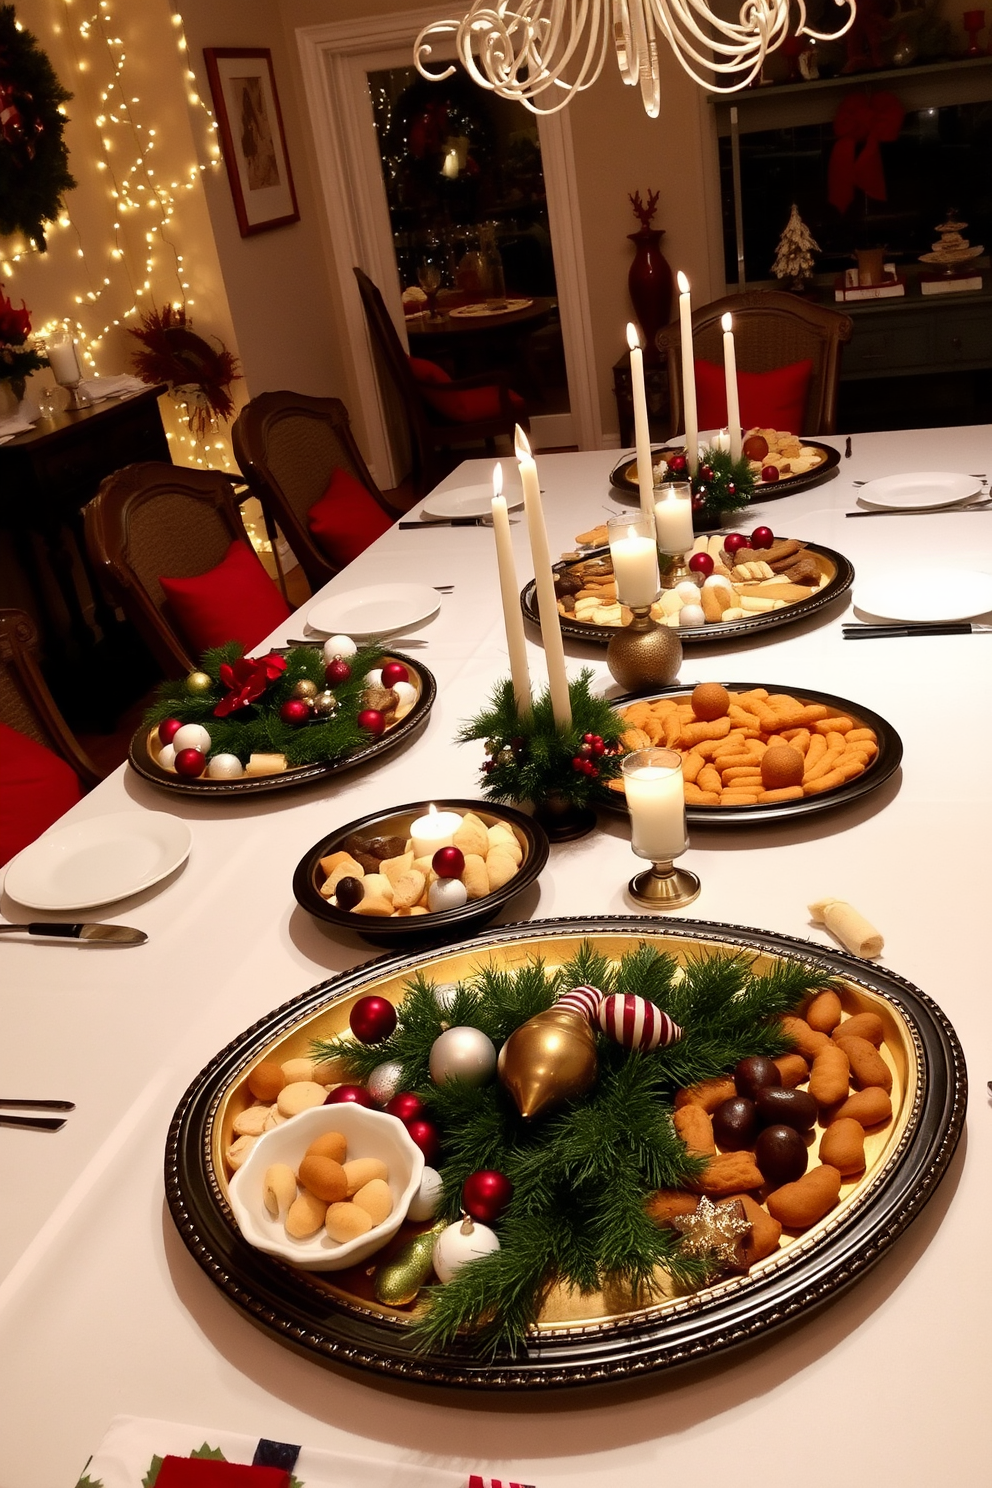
[[99, 388], [852, 929]]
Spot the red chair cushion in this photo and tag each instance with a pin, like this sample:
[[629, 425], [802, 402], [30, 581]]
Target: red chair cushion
[[38, 787], [461, 405], [769, 400], [236, 601], [346, 519]]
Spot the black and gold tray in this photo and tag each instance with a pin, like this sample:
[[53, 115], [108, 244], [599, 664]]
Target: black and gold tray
[[881, 768], [334, 1318], [838, 569], [142, 752], [623, 476]]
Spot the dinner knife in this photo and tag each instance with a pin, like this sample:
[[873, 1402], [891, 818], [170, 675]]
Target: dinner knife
[[121, 935], [445, 522], [881, 632], [924, 511]]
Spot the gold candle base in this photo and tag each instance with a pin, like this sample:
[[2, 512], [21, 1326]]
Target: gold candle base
[[644, 653], [673, 569], [663, 886]]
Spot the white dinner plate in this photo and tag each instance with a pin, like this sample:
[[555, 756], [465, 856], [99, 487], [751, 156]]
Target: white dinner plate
[[919, 490], [469, 501], [376, 610], [925, 594], [98, 860]]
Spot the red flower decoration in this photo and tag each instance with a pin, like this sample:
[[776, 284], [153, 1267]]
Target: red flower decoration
[[15, 325], [248, 679]]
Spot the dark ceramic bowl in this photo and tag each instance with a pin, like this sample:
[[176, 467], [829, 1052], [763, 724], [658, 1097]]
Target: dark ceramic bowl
[[443, 925]]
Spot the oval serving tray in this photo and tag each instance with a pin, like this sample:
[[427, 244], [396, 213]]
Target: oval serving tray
[[580, 1340], [142, 759], [839, 569], [623, 476], [884, 765]]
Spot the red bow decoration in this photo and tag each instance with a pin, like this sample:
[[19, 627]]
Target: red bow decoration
[[874, 118], [249, 678]]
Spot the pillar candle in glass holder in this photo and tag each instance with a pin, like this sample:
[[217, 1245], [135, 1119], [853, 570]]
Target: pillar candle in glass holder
[[642, 433], [435, 829], [730, 375], [544, 579], [62, 359], [688, 375], [513, 620], [652, 781], [673, 517], [634, 551], [721, 441]]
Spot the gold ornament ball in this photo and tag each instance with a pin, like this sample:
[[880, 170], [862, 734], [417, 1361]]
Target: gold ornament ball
[[304, 689], [198, 683], [549, 1060], [324, 704]]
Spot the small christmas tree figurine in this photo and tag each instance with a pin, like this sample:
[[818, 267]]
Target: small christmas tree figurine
[[794, 255]]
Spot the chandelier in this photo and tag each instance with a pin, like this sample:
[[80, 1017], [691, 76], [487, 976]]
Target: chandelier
[[542, 52]]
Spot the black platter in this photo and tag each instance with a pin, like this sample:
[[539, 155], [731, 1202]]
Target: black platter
[[770, 491]]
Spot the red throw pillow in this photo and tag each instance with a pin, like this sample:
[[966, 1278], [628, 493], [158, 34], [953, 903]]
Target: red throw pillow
[[769, 400], [204, 1472], [346, 519], [236, 601], [461, 405], [38, 787]]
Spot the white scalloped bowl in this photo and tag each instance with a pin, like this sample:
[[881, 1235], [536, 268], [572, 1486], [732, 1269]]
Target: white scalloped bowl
[[368, 1134]]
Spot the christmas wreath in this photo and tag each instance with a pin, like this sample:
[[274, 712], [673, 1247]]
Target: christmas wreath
[[173, 352], [34, 161]]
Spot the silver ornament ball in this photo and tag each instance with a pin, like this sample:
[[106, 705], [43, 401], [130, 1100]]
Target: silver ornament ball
[[384, 1081], [463, 1054]]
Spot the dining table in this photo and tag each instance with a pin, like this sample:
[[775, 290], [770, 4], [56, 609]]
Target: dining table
[[104, 1312]]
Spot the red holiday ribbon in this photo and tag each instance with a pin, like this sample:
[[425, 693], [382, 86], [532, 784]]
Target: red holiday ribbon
[[248, 680], [874, 119]]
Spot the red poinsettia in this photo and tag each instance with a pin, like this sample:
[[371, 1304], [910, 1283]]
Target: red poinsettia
[[249, 679], [15, 325]]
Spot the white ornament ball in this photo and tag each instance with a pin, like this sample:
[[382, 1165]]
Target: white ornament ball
[[717, 581], [444, 995], [691, 616], [225, 767], [446, 893], [406, 694], [427, 1200], [167, 756], [191, 736], [339, 645], [687, 591], [384, 1081], [374, 677], [464, 1054], [461, 1242]]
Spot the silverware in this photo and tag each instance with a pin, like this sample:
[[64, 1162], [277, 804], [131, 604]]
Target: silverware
[[882, 632], [927, 511], [36, 1123], [847, 448], [444, 588], [974, 474], [95, 934], [445, 522], [318, 641]]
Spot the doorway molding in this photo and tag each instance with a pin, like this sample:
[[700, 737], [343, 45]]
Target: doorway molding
[[334, 57]]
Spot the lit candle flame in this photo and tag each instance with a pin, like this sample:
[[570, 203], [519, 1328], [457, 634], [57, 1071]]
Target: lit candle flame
[[727, 321], [633, 339], [521, 444], [497, 479], [682, 282]]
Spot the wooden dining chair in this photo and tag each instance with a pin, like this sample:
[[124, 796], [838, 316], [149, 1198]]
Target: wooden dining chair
[[26, 703], [152, 519], [772, 330], [431, 430], [288, 445]]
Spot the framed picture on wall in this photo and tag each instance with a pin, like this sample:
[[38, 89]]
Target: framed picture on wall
[[251, 135]]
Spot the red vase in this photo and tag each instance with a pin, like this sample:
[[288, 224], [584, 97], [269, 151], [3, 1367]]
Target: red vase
[[650, 283]]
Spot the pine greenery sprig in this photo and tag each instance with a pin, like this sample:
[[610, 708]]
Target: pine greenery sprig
[[258, 729], [531, 758], [730, 487], [581, 1177]]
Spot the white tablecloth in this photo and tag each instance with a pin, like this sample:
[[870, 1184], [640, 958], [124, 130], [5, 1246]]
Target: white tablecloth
[[103, 1312]]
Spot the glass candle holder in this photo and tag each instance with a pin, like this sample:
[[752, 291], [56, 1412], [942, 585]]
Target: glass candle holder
[[634, 552], [673, 529], [653, 784], [61, 353]]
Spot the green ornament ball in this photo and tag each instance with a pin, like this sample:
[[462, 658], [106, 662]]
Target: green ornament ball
[[198, 683]]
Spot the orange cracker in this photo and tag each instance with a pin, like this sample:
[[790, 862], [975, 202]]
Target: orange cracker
[[826, 782], [785, 793], [823, 766], [861, 736], [708, 779], [817, 750], [739, 798], [741, 776], [695, 733], [813, 712], [696, 797], [692, 765], [838, 725], [798, 738]]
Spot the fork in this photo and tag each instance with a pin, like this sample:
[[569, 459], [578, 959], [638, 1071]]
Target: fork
[[36, 1123]]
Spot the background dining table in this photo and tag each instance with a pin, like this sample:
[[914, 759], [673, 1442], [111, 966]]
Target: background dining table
[[102, 1309]]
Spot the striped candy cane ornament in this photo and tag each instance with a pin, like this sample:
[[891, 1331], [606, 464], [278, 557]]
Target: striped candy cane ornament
[[636, 1023], [582, 999]]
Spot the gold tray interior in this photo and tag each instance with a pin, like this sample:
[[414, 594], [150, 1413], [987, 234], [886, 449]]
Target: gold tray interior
[[566, 1309]]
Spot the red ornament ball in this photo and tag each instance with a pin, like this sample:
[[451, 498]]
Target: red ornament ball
[[190, 762], [406, 1106], [635, 1023], [337, 671], [393, 672], [294, 711], [486, 1194], [706, 472], [701, 563], [734, 541], [769, 474], [425, 1134], [677, 463], [355, 1095], [448, 862], [372, 1019], [372, 721], [168, 730], [762, 537]]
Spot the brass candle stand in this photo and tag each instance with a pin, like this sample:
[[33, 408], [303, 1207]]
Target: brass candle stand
[[663, 886], [673, 569], [644, 653]]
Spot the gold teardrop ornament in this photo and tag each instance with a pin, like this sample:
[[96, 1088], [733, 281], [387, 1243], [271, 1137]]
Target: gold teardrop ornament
[[549, 1060], [399, 1280]]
